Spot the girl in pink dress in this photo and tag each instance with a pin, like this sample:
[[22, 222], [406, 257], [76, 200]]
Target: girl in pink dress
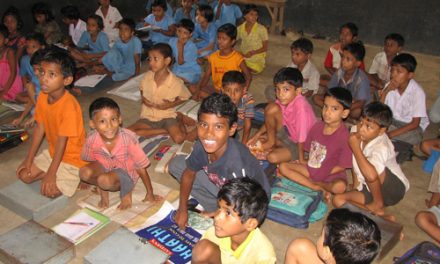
[[10, 81]]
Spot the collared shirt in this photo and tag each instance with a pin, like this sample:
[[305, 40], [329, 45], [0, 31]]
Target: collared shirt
[[409, 105], [256, 248], [298, 117], [381, 67], [113, 17], [169, 90], [358, 85], [126, 154], [311, 76], [75, 31]]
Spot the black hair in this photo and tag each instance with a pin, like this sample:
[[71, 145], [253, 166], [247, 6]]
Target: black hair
[[4, 31], [206, 12], [164, 49], [304, 44], [357, 49], [70, 12], [233, 77], [220, 105], [397, 38], [342, 95], [290, 75], [249, 8], [98, 20], [38, 37], [102, 103], [41, 8], [378, 112], [186, 24], [129, 22], [13, 11], [161, 3], [352, 237], [247, 197], [405, 60], [61, 58], [37, 56], [229, 29], [352, 27]]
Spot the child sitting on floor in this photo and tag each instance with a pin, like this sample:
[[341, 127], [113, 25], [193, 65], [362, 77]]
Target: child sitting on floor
[[77, 26], [110, 16], [288, 120], [123, 60], [233, 86], [380, 69], [188, 11], [377, 178], [185, 54], [216, 158], [10, 81], [161, 91], [116, 159], [59, 119], [346, 237], [46, 24], [236, 237], [327, 144], [163, 23], [254, 39], [351, 77], [226, 12], [93, 44], [29, 70], [16, 41], [406, 99], [223, 60], [205, 32]]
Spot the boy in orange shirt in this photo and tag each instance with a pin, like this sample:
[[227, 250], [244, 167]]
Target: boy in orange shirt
[[223, 60], [58, 117]]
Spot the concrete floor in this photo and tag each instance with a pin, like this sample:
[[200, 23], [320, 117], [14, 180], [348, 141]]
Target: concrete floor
[[278, 56]]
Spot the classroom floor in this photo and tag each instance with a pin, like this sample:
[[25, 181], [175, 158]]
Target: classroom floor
[[278, 56]]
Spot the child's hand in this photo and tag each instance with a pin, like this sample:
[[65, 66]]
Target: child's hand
[[354, 140], [16, 122], [49, 186], [249, 54], [149, 197], [181, 218]]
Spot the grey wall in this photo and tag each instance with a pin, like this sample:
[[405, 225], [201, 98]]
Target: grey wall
[[417, 20]]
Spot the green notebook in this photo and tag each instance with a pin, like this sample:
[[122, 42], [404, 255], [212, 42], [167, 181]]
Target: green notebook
[[81, 225]]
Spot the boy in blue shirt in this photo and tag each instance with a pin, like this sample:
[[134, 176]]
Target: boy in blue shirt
[[160, 20], [123, 60], [216, 158], [351, 77], [185, 54], [226, 12]]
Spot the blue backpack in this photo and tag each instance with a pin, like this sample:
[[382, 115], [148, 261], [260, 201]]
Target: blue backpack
[[295, 205], [425, 252]]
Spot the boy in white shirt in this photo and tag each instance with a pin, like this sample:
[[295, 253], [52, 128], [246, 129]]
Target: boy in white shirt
[[76, 25], [378, 179], [111, 16], [406, 99]]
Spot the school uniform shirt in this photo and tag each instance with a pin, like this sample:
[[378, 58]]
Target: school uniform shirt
[[190, 70], [75, 31], [221, 64], [164, 23], [333, 57], [113, 17], [253, 41], [229, 14], [381, 67], [327, 152], [205, 37], [169, 11], [236, 162], [126, 154], [298, 117], [358, 85], [409, 105], [100, 45], [26, 69], [310, 76], [380, 153], [170, 89], [180, 14], [256, 248]]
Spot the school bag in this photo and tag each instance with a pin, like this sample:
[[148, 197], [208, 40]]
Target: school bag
[[295, 205], [424, 252]]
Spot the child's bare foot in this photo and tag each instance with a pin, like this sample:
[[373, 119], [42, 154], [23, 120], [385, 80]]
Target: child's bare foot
[[125, 202], [104, 199], [327, 196], [83, 186], [152, 198], [376, 208]]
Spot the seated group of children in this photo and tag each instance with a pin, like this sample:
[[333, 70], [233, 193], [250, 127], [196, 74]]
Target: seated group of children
[[312, 153]]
